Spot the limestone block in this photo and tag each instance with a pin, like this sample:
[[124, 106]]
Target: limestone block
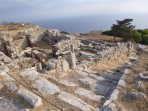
[[45, 87], [65, 65], [10, 86], [31, 98], [74, 101], [88, 94]]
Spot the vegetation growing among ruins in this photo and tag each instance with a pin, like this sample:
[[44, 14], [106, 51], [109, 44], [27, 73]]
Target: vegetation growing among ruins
[[126, 30]]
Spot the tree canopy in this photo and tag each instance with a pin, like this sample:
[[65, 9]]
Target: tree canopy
[[123, 28], [127, 31]]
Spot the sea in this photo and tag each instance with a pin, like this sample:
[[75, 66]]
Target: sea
[[85, 24]]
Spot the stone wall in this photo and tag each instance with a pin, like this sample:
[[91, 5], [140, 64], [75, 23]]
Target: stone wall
[[101, 52], [114, 52], [65, 46], [54, 36], [13, 42]]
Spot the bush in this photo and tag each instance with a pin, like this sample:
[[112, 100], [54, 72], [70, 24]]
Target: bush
[[145, 39], [136, 36], [108, 32], [143, 32]]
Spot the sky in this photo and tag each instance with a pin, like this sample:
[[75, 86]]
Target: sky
[[33, 10]]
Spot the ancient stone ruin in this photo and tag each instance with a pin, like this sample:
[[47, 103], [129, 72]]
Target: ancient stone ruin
[[66, 73]]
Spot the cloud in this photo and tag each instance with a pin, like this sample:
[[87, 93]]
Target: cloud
[[40, 9]]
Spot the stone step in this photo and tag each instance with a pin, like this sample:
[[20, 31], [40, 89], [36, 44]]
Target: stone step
[[92, 74], [88, 94], [86, 81], [3, 70], [101, 89], [93, 79], [31, 98], [10, 86], [75, 101], [41, 84], [82, 73], [111, 76], [45, 87], [67, 83]]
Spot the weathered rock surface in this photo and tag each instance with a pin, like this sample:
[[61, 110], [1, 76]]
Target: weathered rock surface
[[45, 87], [139, 85], [10, 86], [3, 70], [4, 58], [74, 101], [137, 96], [141, 47], [127, 71], [88, 94], [143, 76], [100, 89], [65, 66], [67, 83], [109, 107], [82, 73], [114, 95], [31, 98], [85, 81], [71, 58], [30, 74]]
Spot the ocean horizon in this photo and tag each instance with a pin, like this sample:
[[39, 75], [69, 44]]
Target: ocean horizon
[[85, 24]]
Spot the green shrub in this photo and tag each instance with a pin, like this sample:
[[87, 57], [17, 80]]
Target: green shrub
[[136, 36], [108, 32], [145, 39], [143, 32]]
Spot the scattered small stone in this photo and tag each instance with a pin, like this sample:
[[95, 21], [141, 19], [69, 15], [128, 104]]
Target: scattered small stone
[[85, 81], [139, 85], [137, 96], [127, 71], [141, 47], [133, 58], [143, 76], [51, 66], [1, 98], [129, 64], [25, 110], [109, 107]]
